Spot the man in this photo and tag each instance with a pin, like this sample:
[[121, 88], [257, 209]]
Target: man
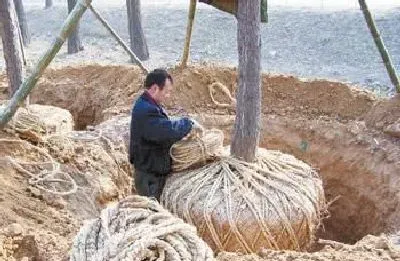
[[153, 134]]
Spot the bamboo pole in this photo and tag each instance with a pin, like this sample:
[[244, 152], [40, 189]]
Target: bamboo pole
[[119, 39], [30, 82], [380, 45], [189, 29]]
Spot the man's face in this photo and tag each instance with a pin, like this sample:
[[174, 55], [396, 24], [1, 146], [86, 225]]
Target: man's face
[[161, 95]]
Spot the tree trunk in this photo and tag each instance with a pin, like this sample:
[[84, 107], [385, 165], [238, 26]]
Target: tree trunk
[[74, 42], [49, 3], [138, 40], [23, 24], [380, 45], [11, 45], [189, 29], [246, 134]]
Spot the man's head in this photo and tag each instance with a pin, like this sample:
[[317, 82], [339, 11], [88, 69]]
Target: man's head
[[158, 83]]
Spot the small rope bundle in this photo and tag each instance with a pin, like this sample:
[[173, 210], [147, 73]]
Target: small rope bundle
[[44, 171], [92, 153], [224, 89], [196, 150], [28, 125], [138, 228], [35, 122], [24, 120], [48, 173], [276, 202]]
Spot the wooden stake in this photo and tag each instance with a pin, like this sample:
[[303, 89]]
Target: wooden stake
[[119, 40], [189, 29], [30, 82], [380, 45]]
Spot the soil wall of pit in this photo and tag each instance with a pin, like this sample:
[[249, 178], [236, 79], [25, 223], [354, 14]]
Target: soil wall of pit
[[339, 130]]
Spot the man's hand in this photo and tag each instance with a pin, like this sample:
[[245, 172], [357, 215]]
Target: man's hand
[[197, 125], [188, 136], [197, 130]]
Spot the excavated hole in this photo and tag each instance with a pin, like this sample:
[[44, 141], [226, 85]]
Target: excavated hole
[[84, 114], [355, 214]]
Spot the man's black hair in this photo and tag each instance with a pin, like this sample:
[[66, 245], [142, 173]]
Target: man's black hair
[[157, 76]]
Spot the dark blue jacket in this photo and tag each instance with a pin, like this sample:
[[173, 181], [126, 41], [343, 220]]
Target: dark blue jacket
[[152, 135]]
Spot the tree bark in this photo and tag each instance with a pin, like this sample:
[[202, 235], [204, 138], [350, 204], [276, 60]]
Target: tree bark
[[23, 24], [380, 45], [74, 42], [11, 45], [49, 3], [137, 37], [246, 134]]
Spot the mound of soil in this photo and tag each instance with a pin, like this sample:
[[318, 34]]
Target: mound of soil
[[87, 91]]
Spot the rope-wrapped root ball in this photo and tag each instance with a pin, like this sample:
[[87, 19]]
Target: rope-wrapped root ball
[[276, 202], [137, 229]]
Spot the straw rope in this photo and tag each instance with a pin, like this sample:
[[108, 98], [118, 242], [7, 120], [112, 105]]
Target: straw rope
[[224, 89], [274, 203], [26, 122], [196, 150], [45, 176], [138, 228]]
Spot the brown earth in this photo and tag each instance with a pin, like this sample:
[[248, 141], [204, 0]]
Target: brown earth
[[370, 248], [47, 220], [335, 128], [98, 166], [87, 91], [54, 220]]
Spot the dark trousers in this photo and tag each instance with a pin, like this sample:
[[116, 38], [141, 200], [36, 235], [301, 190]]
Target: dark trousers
[[149, 184]]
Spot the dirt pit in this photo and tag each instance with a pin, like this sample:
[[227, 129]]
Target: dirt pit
[[339, 130]]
